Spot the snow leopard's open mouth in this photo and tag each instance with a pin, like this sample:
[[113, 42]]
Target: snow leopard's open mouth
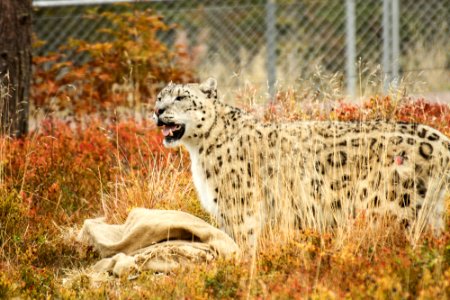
[[171, 131]]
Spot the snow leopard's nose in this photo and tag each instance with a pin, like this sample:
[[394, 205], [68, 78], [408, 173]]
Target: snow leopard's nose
[[159, 111]]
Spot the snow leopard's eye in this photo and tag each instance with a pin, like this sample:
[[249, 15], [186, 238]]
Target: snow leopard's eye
[[179, 98]]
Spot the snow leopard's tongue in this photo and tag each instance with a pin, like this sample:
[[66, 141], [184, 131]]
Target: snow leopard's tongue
[[168, 130]]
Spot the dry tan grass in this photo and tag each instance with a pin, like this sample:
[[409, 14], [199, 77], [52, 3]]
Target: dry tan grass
[[168, 187], [355, 223]]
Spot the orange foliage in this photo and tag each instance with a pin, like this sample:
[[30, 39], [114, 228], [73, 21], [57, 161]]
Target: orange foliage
[[436, 115], [127, 70], [66, 164]]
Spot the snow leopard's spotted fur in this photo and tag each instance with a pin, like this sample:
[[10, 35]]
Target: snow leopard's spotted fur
[[249, 174]]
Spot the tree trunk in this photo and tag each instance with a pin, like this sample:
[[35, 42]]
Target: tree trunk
[[15, 65]]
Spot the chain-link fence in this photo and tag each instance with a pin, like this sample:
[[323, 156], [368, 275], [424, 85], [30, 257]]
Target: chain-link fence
[[278, 41]]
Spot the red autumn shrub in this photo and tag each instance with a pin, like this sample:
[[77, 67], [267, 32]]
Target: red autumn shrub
[[436, 115], [127, 70], [65, 166]]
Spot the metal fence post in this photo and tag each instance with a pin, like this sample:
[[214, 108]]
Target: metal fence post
[[350, 47], [386, 44], [271, 36], [395, 40]]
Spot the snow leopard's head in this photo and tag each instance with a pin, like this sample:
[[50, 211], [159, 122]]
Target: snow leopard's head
[[185, 111]]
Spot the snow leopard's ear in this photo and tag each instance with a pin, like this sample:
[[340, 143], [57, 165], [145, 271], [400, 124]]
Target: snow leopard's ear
[[209, 87]]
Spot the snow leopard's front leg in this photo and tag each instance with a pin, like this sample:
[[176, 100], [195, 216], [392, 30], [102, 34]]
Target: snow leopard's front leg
[[244, 224]]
